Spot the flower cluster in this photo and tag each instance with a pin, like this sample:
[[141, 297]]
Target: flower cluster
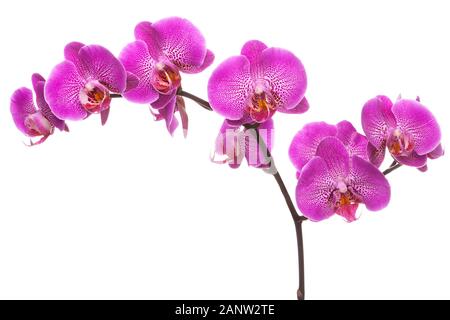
[[337, 167], [147, 71]]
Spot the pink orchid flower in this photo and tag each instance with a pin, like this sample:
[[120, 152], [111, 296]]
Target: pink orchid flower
[[162, 51], [407, 129], [31, 120], [305, 143], [334, 182], [81, 85]]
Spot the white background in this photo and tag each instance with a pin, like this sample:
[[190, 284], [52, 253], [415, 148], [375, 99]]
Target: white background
[[126, 211]]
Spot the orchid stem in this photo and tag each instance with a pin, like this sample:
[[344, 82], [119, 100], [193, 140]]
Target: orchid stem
[[392, 168], [298, 219], [115, 95], [203, 103]]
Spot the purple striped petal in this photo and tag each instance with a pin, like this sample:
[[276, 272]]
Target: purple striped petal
[[137, 60], [370, 184], [286, 75], [355, 143], [416, 120], [22, 105], [98, 63], [377, 118], [62, 92], [335, 155], [181, 42], [252, 50], [314, 189], [228, 87], [304, 145], [302, 107]]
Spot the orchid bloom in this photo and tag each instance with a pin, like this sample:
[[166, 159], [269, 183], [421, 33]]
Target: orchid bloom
[[304, 145], [334, 182], [81, 85], [162, 51], [31, 120], [248, 89], [407, 129], [251, 87]]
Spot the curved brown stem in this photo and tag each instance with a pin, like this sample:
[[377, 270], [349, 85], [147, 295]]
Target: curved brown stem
[[392, 168], [203, 103], [298, 219]]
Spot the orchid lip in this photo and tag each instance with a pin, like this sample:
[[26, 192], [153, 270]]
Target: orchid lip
[[95, 97], [345, 202], [400, 143], [38, 125], [261, 105], [165, 78]]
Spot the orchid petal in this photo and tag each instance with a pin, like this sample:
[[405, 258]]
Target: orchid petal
[[228, 87]]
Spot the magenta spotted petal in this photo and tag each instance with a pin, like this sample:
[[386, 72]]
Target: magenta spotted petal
[[369, 184], [377, 118], [39, 85], [97, 63], [314, 188], [336, 157], [285, 74], [252, 50], [304, 145], [258, 83], [182, 43], [355, 143], [209, 59], [137, 60], [418, 122], [228, 87], [62, 92], [302, 107], [22, 105]]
